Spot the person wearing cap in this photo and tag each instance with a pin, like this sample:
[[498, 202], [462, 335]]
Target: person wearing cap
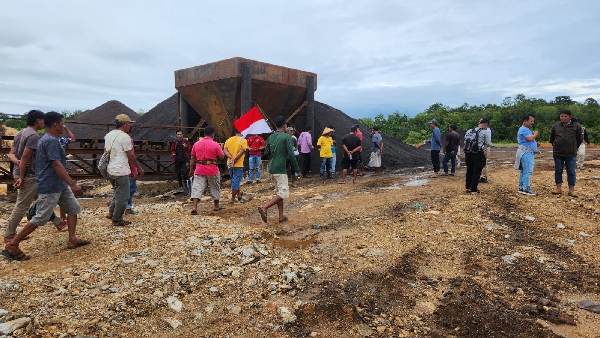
[[234, 149], [306, 146], [376, 151], [565, 137], [436, 146], [324, 144], [118, 143], [280, 150], [476, 161], [581, 149]]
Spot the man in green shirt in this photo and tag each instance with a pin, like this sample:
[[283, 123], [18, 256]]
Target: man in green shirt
[[280, 149]]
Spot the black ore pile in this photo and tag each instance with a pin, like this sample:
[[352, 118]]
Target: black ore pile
[[96, 123], [395, 153]]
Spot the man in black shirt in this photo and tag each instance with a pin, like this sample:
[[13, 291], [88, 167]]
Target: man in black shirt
[[180, 150], [352, 148], [450, 150]]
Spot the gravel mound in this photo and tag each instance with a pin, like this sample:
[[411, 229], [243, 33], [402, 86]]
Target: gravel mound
[[96, 123], [164, 114]]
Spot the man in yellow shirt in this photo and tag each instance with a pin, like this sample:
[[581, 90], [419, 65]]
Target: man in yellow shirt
[[234, 150], [324, 144]]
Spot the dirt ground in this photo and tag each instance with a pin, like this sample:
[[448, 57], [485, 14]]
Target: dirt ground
[[398, 255]]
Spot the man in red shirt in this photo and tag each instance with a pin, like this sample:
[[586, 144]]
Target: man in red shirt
[[180, 149], [203, 165], [256, 144]]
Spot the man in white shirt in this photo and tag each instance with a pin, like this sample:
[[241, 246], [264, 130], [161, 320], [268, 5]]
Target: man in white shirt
[[118, 142]]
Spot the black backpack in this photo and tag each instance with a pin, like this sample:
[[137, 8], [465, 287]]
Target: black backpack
[[470, 144]]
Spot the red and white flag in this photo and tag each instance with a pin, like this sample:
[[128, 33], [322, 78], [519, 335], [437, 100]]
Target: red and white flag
[[252, 122]]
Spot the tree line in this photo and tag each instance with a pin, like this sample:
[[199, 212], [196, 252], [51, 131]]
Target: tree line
[[505, 119]]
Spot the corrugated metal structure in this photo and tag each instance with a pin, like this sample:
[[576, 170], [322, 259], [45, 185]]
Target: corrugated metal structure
[[218, 93]]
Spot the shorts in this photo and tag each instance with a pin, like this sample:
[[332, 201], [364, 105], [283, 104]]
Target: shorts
[[200, 183], [375, 159], [46, 203], [281, 184], [348, 163], [236, 177]]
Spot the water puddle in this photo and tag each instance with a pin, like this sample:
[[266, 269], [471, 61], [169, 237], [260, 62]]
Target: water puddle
[[416, 183], [293, 244]]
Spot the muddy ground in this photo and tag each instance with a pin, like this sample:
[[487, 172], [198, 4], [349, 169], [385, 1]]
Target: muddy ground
[[393, 256]]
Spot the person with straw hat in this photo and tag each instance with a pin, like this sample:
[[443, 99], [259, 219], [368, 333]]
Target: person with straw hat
[[324, 144]]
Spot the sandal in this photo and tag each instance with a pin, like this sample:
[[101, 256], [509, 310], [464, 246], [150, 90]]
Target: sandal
[[285, 219], [263, 214], [19, 256], [108, 216], [62, 226], [121, 224], [240, 196], [194, 212], [219, 208], [131, 212]]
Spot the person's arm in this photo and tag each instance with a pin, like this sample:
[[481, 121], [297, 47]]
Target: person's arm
[[12, 155], [579, 136], [134, 161], [532, 137], [27, 152], [239, 154], [70, 134], [220, 155], [262, 144], [64, 175], [438, 137], [552, 135], [192, 165], [585, 136]]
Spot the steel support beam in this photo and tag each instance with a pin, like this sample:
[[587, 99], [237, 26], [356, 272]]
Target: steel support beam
[[246, 93], [310, 105]]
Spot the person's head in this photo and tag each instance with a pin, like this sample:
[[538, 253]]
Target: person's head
[[452, 127], [353, 129], [356, 125], [528, 120], [375, 130], [291, 130], [433, 124], [565, 116], [280, 122], [484, 122], [123, 122], [179, 135], [331, 127], [35, 119], [209, 131], [53, 122], [308, 129]]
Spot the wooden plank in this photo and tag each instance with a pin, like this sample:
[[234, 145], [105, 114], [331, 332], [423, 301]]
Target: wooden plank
[[304, 104]]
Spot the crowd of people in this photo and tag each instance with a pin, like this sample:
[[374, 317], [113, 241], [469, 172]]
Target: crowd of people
[[40, 166]]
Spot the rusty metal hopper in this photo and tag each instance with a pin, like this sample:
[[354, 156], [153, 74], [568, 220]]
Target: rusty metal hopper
[[218, 93]]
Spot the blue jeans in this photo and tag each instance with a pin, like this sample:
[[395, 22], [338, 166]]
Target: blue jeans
[[132, 190], [333, 160], [325, 167], [254, 163], [236, 174], [559, 163], [449, 156], [527, 162]]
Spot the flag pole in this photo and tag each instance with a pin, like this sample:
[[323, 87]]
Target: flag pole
[[263, 114]]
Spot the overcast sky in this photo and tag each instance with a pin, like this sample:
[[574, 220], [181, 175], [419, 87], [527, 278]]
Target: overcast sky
[[371, 57]]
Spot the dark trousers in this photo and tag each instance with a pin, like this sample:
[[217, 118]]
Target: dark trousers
[[449, 156], [475, 163], [305, 163], [181, 171], [435, 160]]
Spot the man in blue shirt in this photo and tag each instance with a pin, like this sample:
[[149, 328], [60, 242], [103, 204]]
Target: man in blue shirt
[[376, 151], [436, 146], [54, 187], [525, 154]]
